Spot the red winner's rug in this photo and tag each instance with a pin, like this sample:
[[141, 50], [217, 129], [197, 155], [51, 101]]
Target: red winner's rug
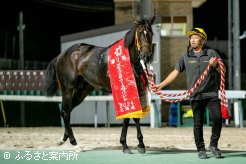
[[128, 103]]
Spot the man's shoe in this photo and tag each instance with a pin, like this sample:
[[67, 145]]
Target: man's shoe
[[202, 154], [215, 151]]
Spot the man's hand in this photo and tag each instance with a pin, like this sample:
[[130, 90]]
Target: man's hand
[[213, 62], [170, 78], [158, 87]]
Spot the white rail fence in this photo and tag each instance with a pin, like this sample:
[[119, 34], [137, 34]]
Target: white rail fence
[[235, 95]]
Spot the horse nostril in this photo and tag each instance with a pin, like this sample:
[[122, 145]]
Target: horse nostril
[[149, 55], [149, 58]]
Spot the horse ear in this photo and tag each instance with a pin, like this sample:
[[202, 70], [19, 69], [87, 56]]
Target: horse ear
[[152, 20], [135, 21]]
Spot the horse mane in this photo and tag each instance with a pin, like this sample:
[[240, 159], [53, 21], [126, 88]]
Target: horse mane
[[129, 37]]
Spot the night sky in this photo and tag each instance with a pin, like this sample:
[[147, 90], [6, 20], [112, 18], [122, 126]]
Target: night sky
[[46, 22], [213, 17]]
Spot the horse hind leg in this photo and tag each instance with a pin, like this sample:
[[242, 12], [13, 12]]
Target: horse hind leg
[[125, 125], [141, 146], [72, 98], [65, 113], [65, 136]]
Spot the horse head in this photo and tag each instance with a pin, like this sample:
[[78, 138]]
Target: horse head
[[139, 39], [143, 39]]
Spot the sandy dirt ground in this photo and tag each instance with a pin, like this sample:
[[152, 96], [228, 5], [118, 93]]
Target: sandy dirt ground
[[165, 138]]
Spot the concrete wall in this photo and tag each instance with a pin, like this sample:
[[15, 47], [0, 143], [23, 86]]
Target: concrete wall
[[85, 112], [172, 47]]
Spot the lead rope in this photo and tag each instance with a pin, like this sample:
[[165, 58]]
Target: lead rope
[[187, 93]]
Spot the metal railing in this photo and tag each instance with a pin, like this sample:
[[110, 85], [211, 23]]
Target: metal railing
[[8, 64]]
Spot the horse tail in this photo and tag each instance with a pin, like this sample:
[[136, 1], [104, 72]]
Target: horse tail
[[51, 83]]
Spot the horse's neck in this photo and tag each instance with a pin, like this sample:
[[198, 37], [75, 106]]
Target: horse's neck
[[133, 55], [136, 65]]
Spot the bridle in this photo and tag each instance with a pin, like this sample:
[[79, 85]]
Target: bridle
[[142, 29]]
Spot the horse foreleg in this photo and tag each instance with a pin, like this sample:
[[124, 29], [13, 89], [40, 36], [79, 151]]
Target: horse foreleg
[[141, 146], [125, 125]]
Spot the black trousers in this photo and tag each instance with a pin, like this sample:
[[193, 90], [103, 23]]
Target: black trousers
[[199, 108]]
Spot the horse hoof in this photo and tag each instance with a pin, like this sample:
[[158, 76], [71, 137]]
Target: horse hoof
[[127, 151], [61, 142], [141, 150], [77, 148]]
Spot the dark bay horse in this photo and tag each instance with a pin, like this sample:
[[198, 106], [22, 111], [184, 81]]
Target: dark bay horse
[[82, 68]]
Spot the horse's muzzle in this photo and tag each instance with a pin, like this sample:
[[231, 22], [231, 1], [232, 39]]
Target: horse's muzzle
[[148, 58]]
